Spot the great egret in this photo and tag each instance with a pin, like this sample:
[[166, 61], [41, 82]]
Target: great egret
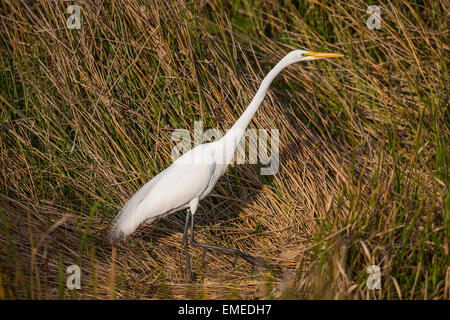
[[192, 176]]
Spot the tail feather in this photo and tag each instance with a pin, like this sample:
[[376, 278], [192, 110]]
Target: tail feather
[[124, 223], [127, 220]]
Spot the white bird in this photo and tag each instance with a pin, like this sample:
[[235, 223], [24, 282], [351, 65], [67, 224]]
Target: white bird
[[193, 175]]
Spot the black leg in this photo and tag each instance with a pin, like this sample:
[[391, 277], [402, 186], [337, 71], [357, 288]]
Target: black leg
[[185, 242], [252, 260]]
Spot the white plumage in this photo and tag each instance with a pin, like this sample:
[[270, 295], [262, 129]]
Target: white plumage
[[189, 179], [193, 175]]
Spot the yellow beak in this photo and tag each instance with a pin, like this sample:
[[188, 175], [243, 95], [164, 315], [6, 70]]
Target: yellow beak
[[319, 55]]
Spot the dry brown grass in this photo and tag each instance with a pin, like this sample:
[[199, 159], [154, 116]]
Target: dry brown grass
[[87, 117]]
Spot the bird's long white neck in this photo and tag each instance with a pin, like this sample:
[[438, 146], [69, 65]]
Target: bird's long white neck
[[233, 136]]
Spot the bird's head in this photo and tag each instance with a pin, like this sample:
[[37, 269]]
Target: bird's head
[[303, 55]]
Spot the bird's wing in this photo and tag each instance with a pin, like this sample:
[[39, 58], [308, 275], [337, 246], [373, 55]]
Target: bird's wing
[[169, 191]]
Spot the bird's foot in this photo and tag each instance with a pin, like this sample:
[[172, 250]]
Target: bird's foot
[[255, 262]]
